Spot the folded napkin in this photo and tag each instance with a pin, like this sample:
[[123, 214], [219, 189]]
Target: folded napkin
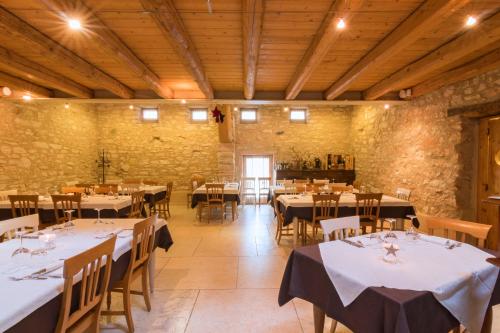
[[108, 233]]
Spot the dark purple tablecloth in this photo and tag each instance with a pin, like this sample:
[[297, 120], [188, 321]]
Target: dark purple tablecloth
[[202, 197], [151, 199], [377, 309], [44, 319], [306, 213]]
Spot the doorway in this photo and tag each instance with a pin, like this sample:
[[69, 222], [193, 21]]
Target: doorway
[[255, 167], [489, 158]]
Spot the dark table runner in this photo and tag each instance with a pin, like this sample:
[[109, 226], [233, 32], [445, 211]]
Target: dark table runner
[[307, 212], [44, 319], [202, 197], [377, 309]]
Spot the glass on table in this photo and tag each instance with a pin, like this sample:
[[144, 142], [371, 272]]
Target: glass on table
[[98, 215], [69, 223], [21, 249]]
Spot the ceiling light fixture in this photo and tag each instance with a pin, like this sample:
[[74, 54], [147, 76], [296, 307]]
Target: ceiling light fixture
[[235, 108], [286, 109], [66, 106], [6, 91], [74, 24], [471, 20], [131, 107], [386, 106], [183, 101], [27, 97], [341, 24]]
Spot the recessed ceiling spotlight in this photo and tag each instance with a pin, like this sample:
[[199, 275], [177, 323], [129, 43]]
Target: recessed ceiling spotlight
[[471, 20], [66, 106], [183, 101], [387, 106], [235, 108], [6, 91], [27, 97], [74, 24], [286, 109], [131, 107], [341, 24]]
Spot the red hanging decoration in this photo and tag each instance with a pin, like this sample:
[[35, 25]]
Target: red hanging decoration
[[218, 115]]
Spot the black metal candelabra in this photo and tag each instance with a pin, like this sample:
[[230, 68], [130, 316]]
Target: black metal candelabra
[[103, 162]]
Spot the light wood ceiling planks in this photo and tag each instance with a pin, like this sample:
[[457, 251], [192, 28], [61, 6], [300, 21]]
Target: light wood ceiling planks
[[198, 53]]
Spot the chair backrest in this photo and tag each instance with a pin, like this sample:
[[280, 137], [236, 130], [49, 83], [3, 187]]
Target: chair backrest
[[197, 181], [28, 221], [24, 204], [325, 206], [321, 181], [264, 183], [340, 188], [248, 183], [86, 187], [170, 186], [4, 195], [339, 184], [340, 228], [137, 204], [215, 193], [301, 181], [132, 181], [130, 188], [479, 231], [356, 184], [142, 244], [368, 205], [93, 286], [316, 188], [290, 189], [403, 193], [106, 188], [67, 202], [150, 182], [277, 212], [72, 189]]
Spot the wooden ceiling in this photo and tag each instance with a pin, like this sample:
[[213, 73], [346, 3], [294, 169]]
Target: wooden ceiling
[[283, 49]]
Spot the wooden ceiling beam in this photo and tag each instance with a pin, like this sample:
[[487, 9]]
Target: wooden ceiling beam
[[27, 69], [165, 15], [325, 37], [424, 18], [253, 14], [26, 87], [64, 57], [474, 68], [109, 41], [484, 34]]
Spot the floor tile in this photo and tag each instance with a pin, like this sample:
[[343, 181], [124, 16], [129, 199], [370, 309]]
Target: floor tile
[[261, 272]]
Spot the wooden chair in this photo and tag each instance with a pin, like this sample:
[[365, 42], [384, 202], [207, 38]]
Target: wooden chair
[[72, 189], [4, 195], [368, 209], [301, 181], [340, 228], [248, 189], [478, 231], [68, 202], [106, 188], [128, 189], [7, 227], [325, 206], [163, 206], [321, 181], [150, 182], [281, 229], [142, 249], [290, 189], [86, 187], [356, 184], [264, 188], [340, 188], [137, 204], [215, 199], [24, 204], [84, 314], [403, 193], [195, 182]]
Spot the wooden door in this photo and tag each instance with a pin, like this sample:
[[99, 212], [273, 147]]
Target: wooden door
[[489, 158]]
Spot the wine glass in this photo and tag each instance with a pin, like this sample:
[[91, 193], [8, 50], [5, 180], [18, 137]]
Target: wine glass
[[69, 223], [391, 233], [98, 215], [20, 250]]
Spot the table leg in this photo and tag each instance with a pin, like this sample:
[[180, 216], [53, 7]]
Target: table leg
[[319, 319], [152, 268], [295, 231], [488, 321], [234, 206]]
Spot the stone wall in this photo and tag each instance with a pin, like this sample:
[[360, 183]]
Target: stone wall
[[327, 131], [44, 145], [419, 147]]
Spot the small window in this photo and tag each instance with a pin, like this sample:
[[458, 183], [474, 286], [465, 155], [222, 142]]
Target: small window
[[149, 115], [199, 115], [298, 115], [248, 115]]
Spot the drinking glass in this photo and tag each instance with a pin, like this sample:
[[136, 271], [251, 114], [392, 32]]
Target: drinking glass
[[69, 223], [20, 250], [391, 233], [98, 215]]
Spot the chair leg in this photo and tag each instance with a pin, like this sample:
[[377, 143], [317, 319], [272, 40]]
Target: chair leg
[[168, 208], [127, 308], [333, 327], [108, 300], [145, 288]]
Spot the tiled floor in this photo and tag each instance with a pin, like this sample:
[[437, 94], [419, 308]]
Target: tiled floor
[[222, 278]]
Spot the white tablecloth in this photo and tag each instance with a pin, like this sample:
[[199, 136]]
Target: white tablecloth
[[346, 200], [88, 202], [229, 188], [460, 278], [20, 298], [153, 189]]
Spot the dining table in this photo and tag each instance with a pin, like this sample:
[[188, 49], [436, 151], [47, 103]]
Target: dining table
[[231, 194], [33, 305], [429, 285], [300, 206], [109, 206]]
